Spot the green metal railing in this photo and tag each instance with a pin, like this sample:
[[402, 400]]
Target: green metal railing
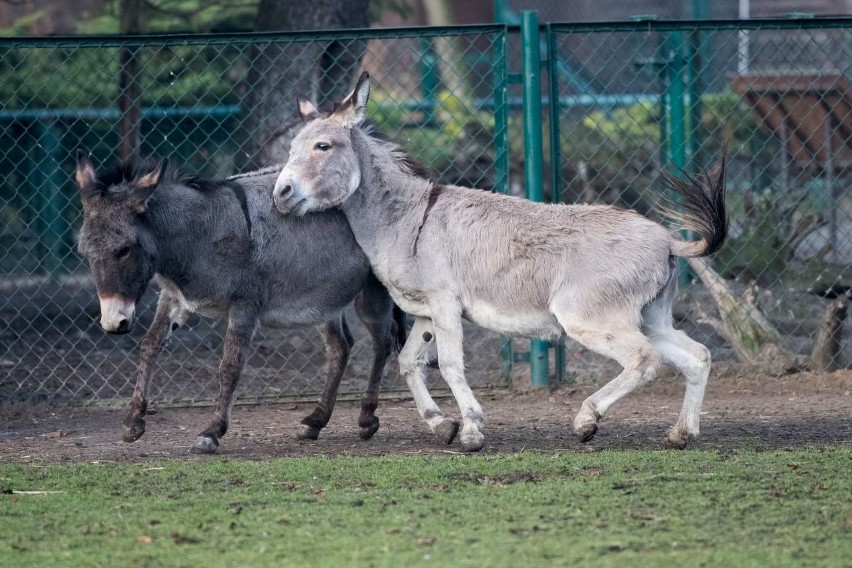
[[622, 101], [670, 95], [60, 94]]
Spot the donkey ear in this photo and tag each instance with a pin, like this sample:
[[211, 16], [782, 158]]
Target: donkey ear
[[353, 109], [85, 173], [152, 178], [307, 110], [144, 187]]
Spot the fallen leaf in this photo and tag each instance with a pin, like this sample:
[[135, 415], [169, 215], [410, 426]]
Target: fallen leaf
[[183, 539], [144, 539]]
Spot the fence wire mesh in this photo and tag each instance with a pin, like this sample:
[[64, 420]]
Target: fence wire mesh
[[629, 101], [216, 106], [633, 99]]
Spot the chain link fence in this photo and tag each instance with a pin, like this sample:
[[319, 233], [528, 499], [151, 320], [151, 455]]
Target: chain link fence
[[634, 98], [624, 101], [215, 105]]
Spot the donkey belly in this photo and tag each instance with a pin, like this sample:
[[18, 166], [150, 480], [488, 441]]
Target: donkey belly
[[293, 316], [541, 325]]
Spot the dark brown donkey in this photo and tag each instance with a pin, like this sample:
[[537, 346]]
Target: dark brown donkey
[[219, 248]]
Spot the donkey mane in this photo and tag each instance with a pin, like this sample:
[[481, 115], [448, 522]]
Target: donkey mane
[[131, 170], [406, 162]]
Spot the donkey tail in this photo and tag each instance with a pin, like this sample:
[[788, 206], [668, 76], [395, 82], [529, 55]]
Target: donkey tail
[[400, 333], [700, 209]]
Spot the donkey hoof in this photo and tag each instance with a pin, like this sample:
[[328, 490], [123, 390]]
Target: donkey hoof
[[447, 430], [586, 432], [205, 445], [472, 442], [366, 432], [133, 431], [307, 432], [678, 439]]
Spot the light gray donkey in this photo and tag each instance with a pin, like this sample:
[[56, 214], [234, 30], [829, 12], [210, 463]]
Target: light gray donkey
[[219, 248], [605, 276]]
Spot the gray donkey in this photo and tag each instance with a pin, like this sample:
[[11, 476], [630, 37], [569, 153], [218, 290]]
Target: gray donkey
[[604, 276], [219, 248]]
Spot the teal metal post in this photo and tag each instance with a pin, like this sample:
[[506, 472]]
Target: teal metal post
[[677, 114], [533, 170], [697, 58], [47, 185], [501, 7], [500, 95], [428, 80], [555, 166], [677, 118], [663, 58]]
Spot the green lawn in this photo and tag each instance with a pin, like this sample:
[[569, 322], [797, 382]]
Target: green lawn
[[625, 508]]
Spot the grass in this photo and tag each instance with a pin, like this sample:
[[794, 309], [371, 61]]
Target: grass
[[625, 508]]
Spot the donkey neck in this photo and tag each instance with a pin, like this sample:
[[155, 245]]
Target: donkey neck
[[182, 222], [388, 198]]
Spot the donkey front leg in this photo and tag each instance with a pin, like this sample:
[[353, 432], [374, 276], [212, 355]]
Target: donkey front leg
[[242, 322], [449, 337], [153, 342], [412, 365], [338, 342], [376, 309]]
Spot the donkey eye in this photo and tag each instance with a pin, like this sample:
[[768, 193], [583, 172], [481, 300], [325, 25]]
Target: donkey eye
[[123, 252], [322, 146]]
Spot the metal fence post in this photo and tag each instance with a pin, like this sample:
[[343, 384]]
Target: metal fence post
[[500, 95], [533, 171], [428, 80], [47, 185], [555, 166], [697, 61], [675, 92], [500, 9], [677, 117]]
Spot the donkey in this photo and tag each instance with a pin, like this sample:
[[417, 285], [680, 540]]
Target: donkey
[[605, 276], [219, 248]]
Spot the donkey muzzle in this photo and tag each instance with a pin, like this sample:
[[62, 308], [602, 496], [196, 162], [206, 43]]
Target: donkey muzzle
[[287, 196], [289, 201], [117, 314]]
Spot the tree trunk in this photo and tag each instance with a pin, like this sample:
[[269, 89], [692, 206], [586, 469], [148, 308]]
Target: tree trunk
[[130, 92], [826, 353], [280, 71], [454, 68], [753, 336]]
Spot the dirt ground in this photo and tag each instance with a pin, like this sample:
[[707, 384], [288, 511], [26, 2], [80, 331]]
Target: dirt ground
[[757, 412]]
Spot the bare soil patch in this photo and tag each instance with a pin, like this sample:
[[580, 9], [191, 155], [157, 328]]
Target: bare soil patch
[[757, 411]]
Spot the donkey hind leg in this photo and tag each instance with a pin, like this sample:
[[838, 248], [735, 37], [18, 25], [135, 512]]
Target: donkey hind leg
[[155, 338], [635, 352], [336, 337], [449, 337], [412, 365], [693, 360], [375, 308], [241, 325]]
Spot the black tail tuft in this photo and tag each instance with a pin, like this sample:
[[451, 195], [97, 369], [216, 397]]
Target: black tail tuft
[[400, 331], [701, 209]]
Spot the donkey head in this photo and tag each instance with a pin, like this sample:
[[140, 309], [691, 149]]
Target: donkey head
[[120, 251], [323, 169]]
